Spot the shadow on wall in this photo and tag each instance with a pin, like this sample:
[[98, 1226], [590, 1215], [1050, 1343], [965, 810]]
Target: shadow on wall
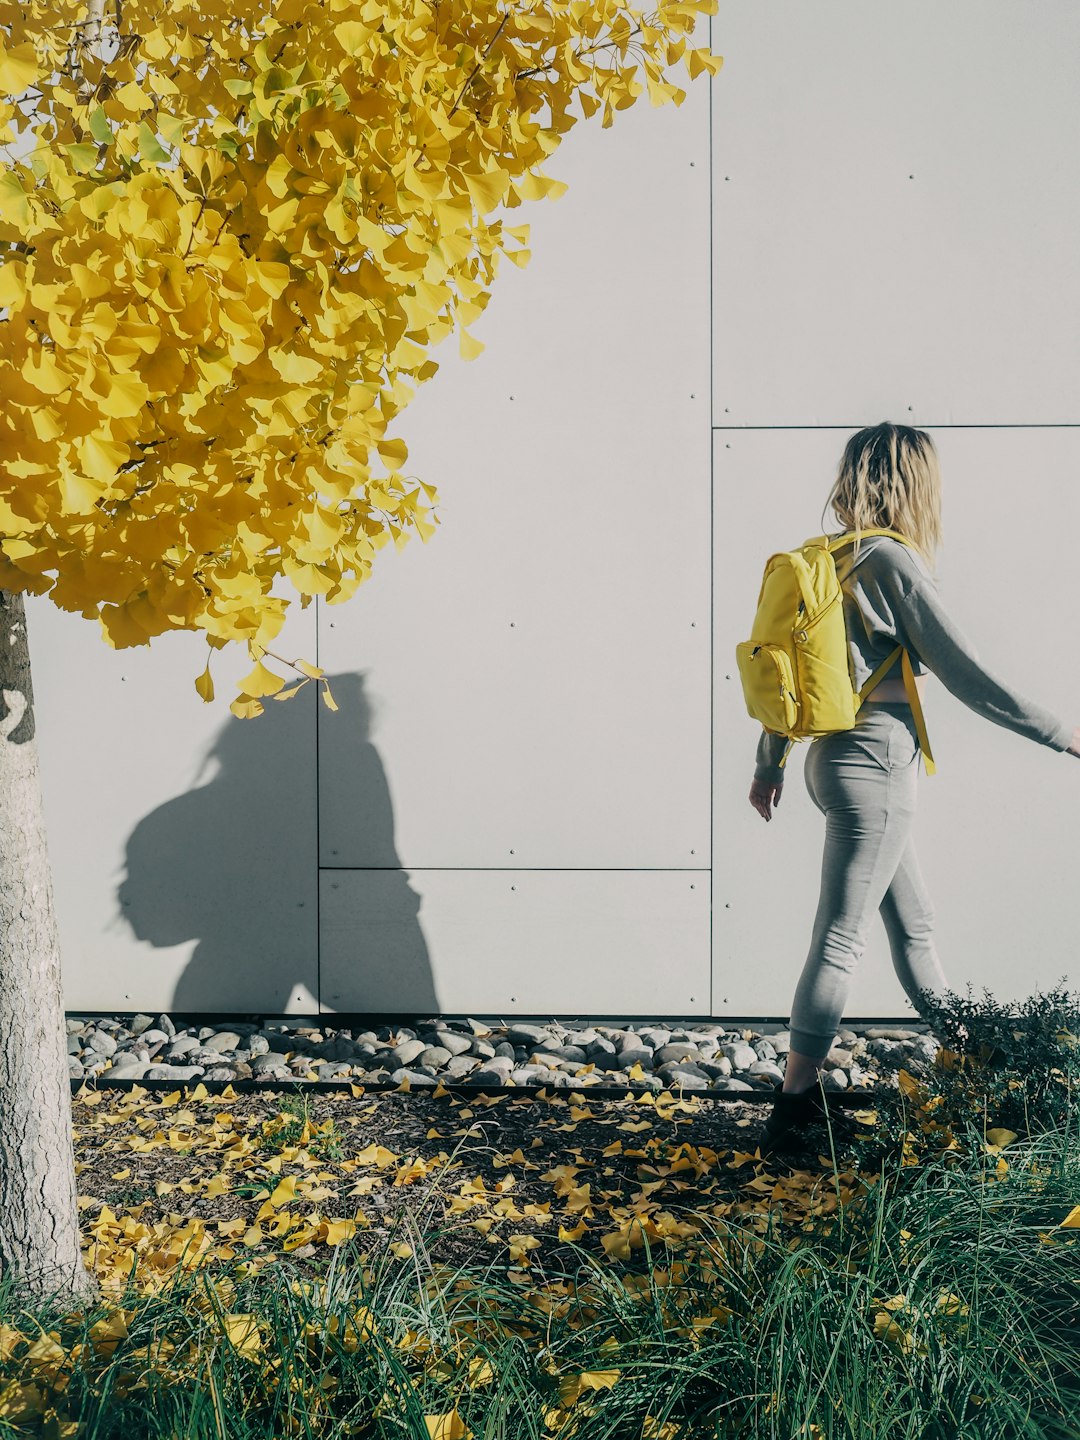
[[233, 864]]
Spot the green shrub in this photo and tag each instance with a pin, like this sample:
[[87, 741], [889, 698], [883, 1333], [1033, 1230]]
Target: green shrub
[[1015, 1066]]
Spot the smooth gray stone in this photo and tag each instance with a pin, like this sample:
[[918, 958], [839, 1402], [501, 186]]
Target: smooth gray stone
[[164, 1023], [73, 1025], [151, 1037], [257, 1045], [767, 1068], [127, 1068], [219, 1072], [637, 1055], [572, 1052], [690, 1078], [408, 1051], [504, 1048], [487, 1076], [139, 1023], [716, 1068], [75, 1070], [549, 1060], [656, 1037], [74, 1045], [456, 1044], [221, 1040], [838, 1056], [691, 1067], [173, 1072], [461, 1065], [434, 1055], [676, 1050], [763, 1050], [834, 1080], [741, 1055], [533, 1035], [535, 1075], [727, 1082], [101, 1043], [182, 1045], [890, 1032], [599, 1046], [585, 1036], [781, 1041], [338, 1048], [410, 1073], [482, 1048], [477, 1027], [269, 1060]]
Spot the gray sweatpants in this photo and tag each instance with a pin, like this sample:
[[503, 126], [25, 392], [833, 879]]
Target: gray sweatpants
[[864, 781]]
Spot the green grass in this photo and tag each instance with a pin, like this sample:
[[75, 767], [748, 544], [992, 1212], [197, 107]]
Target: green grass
[[752, 1334], [281, 1133]]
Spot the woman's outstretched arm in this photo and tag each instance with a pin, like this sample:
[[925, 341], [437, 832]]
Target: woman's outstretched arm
[[945, 649]]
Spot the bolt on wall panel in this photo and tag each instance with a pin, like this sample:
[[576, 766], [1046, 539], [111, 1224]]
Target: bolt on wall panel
[[182, 839], [997, 829], [524, 942], [897, 200], [531, 686]]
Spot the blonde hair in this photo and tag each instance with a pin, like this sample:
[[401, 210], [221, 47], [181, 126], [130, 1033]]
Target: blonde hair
[[889, 477]]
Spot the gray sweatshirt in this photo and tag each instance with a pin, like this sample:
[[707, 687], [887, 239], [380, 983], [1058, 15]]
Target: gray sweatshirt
[[890, 599]]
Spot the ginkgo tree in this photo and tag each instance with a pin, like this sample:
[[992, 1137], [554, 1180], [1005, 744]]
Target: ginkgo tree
[[229, 239]]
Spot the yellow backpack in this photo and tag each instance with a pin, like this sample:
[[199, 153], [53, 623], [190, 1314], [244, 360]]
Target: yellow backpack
[[796, 667]]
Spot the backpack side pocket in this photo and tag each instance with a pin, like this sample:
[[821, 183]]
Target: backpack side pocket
[[768, 685]]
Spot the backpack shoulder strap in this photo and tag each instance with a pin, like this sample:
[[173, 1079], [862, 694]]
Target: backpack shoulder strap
[[874, 530], [912, 691]]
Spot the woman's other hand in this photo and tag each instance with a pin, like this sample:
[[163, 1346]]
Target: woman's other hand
[[1074, 748], [764, 798]]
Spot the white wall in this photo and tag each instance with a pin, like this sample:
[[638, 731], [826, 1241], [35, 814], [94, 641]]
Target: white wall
[[896, 206], [537, 780]]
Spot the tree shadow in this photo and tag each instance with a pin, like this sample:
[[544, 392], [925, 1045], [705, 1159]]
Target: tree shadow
[[234, 864]]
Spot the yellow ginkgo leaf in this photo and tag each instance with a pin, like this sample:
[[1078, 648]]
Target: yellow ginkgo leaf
[[572, 1387], [468, 345], [245, 708], [1072, 1219], [244, 1334], [18, 68], [1000, 1137], [205, 684], [284, 1192], [261, 681], [288, 694], [447, 1426]]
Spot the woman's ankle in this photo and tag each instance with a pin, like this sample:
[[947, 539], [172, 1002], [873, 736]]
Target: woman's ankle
[[800, 1072]]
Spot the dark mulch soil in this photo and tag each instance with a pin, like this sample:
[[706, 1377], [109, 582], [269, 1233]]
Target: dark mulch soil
[[665, 1159]]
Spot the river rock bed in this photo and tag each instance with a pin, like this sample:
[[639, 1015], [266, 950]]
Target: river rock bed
[[709, 1056]]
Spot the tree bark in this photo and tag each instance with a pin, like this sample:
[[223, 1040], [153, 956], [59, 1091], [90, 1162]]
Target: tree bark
[[39, 1217]]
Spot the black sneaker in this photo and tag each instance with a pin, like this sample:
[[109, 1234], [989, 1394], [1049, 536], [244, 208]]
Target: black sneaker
[[792, 1111]]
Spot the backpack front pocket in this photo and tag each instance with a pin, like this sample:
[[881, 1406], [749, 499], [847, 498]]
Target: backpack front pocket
[[768, 684]]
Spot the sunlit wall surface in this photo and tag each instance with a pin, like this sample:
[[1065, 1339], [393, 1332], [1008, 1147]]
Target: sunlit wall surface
[[533, 796]]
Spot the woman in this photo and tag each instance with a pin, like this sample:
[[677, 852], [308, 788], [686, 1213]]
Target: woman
[[864, 780]]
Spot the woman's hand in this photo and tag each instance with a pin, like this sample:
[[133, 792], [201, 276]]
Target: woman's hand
[[1074, 748], [764, 797]]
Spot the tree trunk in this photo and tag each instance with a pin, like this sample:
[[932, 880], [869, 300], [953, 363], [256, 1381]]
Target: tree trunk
[[39, 1217]]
